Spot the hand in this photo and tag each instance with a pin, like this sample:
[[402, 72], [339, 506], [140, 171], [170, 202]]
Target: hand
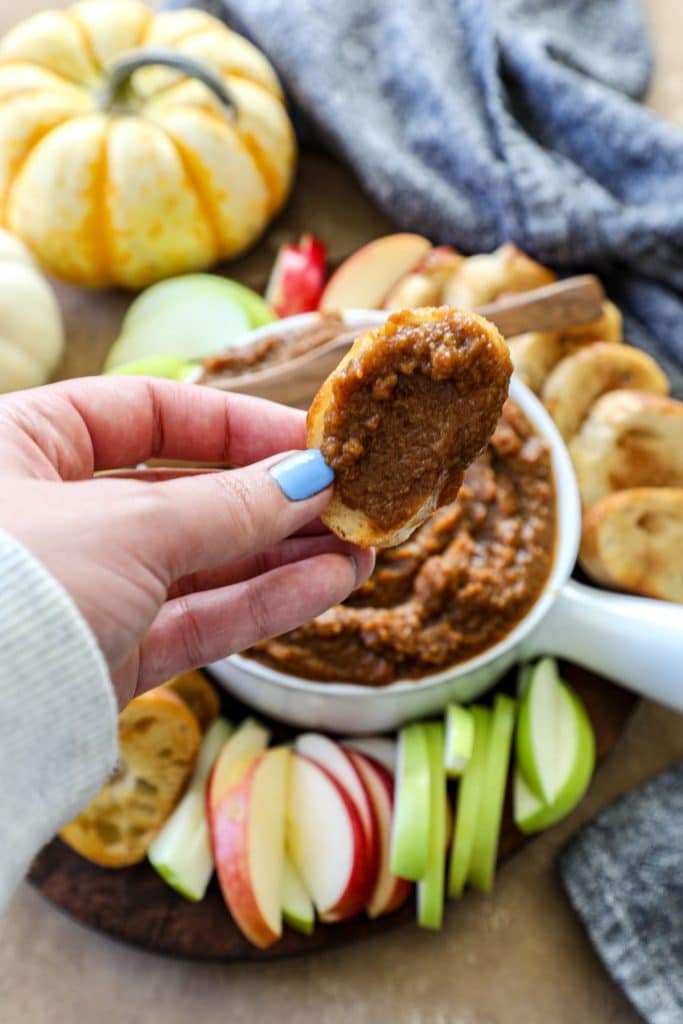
[[171, 573]]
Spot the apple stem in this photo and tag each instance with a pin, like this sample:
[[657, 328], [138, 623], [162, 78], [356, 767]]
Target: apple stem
[[115, 94]]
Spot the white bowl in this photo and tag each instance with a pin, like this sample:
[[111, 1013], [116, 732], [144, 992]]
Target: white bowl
[[635, 641]]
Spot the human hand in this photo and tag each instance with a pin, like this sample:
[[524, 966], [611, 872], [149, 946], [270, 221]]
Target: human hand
[[171, 573]]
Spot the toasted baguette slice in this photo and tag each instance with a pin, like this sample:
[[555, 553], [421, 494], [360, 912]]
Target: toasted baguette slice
[[579, 379], [159, 740], [200, 696], [629, 439], [425, 283], [633, 540], [608, 327], [484, 277], [533, 356], [408, 408], [536, 353]]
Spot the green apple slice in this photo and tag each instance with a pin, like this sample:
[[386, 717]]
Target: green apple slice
[[169, 367], [189, 330], [531, 813], [297, 905], [524, 673], [547, 733], [459, 740], [430, 889], [181, 852], [482, 864], [195, 289], [410, 827], [468, 802]]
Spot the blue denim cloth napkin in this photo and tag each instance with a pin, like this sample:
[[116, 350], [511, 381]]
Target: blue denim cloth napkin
[[624, 876], [476, 121]]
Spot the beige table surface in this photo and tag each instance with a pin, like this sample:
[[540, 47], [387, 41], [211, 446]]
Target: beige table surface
[[518, 957]]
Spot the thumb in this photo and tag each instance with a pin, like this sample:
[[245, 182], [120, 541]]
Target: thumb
[[212, 518]]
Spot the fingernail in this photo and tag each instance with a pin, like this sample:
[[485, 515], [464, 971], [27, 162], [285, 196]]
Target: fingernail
[[302, 475], [354, 565]]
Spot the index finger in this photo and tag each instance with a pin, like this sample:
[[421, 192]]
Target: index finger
[[121, 421]]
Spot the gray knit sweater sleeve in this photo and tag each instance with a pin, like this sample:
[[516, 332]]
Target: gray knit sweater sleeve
[[58, 738]]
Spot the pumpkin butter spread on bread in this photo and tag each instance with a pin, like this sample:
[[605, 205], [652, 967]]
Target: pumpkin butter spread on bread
[[406, 411]]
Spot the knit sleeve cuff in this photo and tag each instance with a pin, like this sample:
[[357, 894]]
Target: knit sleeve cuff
[[58, 734]]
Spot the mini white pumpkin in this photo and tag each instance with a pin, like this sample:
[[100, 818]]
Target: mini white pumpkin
[[31, 332]]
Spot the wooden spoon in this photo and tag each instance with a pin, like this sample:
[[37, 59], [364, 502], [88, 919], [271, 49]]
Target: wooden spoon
[[576, 300]]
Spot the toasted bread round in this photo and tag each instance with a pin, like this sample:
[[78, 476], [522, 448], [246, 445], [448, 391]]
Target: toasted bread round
[[405, 412], [633, 540], [484, 277], [200, 696], [629, 439], [579, 379], [536, 353], [159, 740], [425, 283]]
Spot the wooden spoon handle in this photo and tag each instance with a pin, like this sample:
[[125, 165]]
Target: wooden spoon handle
[[577, 300]]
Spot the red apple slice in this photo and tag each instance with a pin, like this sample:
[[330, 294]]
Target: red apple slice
[[338, 763], [236, 753], [363, 280], [324, 837], [298, 277], [389, 891], [247, 835], [378, 748]]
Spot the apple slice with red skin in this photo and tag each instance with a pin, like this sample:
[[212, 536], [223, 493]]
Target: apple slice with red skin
[[298, 277], [239, 749], [247, 827], [324, 838], [390, 892], [337, 761], [377, 748], [363, 280]]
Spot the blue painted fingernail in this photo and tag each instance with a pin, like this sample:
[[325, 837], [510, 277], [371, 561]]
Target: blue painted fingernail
[[302, 475]]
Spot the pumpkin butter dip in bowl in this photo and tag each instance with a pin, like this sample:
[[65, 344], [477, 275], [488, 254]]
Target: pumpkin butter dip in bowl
[[472, 502]]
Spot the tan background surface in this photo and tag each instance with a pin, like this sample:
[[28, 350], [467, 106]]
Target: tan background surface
[[519, 957]]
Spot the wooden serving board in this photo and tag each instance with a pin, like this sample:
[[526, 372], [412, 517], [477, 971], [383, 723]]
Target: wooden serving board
[[134, 905]]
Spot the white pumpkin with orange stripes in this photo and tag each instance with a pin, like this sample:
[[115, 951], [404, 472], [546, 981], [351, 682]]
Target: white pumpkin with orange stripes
[[135, 146]]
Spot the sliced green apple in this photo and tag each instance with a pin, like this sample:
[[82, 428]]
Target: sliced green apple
[[194, 289], [297, 906], [459, 740], [524, 674], [410, 828], [430, 888], [181, 852], [169, 367], [577, 761], [482, 864], [468, 803], [547, 743], [187, 318]]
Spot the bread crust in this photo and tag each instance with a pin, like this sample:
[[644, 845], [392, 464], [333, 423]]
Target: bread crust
[[578, 380], [629, 439], [633, 540], [159, 741]]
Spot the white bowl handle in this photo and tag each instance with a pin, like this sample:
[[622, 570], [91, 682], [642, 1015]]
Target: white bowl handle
[[635, 641]]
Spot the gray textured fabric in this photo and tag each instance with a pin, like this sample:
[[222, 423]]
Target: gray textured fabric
[[624, 875], [58, 736], [476, 121]]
